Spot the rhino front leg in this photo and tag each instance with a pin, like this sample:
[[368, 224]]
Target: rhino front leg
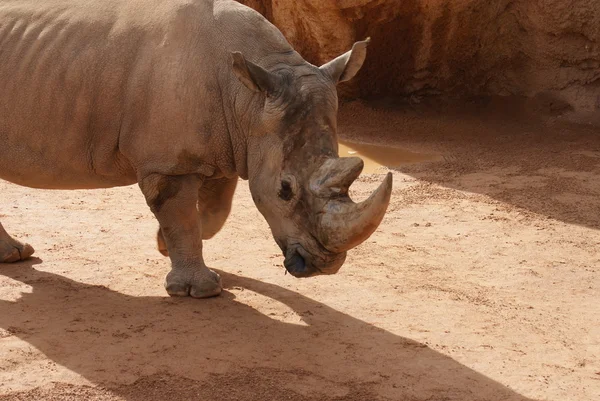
[[214, 206], [173, 201], [12, 250]]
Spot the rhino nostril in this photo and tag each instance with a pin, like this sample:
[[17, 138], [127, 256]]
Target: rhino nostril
[[294, 263]]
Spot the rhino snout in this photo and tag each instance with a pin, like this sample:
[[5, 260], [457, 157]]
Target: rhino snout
[[300, 263]]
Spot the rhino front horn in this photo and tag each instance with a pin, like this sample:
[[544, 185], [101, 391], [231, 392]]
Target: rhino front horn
[[342, 223]]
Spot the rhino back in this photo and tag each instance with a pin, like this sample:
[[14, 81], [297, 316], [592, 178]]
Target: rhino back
[[97, 93], [73, 73]]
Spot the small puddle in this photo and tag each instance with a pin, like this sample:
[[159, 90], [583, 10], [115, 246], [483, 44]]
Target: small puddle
[[377, 156]]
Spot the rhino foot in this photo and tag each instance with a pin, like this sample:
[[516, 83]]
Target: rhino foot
[[196, 283], [14, 251]]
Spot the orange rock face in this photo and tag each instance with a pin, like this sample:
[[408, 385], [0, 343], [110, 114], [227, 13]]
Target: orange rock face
[[454, 47]]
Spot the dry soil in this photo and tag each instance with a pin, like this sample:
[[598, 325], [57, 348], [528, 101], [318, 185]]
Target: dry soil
[[482, 283]]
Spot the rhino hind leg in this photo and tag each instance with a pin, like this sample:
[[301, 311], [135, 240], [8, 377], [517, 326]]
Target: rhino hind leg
[[12, 250], [173, 201], [214, 206], [161, 244]]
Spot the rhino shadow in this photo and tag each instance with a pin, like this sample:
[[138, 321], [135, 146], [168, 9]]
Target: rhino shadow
[[111, 338]]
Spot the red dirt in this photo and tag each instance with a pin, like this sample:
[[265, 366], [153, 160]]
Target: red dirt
[[482, 282]]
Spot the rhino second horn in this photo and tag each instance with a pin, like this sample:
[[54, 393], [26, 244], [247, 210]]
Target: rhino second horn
[[345, 224], [335, 176]]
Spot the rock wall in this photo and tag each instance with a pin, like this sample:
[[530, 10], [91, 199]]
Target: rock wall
[[454, 47]]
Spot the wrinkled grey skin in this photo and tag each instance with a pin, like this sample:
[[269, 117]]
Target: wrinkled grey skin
[[181, 97]]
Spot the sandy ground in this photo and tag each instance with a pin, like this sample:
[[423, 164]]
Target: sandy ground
[[482, 283]]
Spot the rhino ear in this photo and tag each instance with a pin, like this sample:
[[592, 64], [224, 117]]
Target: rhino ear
[[345, 67], [253, 76]]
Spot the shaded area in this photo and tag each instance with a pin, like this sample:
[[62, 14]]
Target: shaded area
[[528, 153], [222, 349]]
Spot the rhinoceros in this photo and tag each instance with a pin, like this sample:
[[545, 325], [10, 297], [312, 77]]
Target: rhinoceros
[[182, 97]]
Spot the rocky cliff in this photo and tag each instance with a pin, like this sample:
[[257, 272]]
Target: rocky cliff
[[454, 47]]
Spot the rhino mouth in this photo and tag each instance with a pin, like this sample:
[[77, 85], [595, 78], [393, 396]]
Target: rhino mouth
[[301, 263]]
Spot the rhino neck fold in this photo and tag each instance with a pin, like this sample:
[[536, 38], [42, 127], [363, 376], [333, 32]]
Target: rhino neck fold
[[240, 110]]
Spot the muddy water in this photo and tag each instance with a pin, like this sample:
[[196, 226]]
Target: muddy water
[[377, 156]]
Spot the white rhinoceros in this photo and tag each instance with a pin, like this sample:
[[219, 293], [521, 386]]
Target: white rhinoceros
[[181, 97]]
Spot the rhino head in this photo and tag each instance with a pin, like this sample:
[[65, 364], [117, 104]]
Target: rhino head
[[297, 180]]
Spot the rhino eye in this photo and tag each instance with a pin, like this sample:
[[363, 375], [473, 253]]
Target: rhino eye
[[285, 192]]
